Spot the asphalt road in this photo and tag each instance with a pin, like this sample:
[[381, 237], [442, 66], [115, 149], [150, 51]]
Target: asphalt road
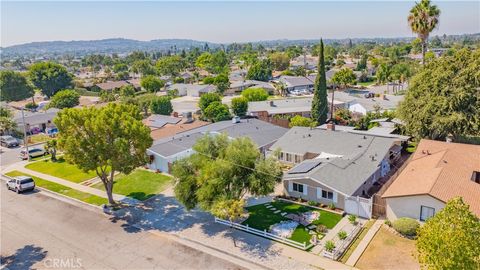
[[41, 232], [9, 156]]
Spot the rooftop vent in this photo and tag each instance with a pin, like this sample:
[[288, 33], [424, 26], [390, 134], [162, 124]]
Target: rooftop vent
[[476, 177]]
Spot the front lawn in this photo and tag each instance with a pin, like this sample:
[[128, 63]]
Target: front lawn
[[140, 184], [388, 251], [261, 218], [61, 169], [61, 189]]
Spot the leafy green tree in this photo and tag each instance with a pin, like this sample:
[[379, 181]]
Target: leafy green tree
[[51, 147], [143, 67], [240, 106], [279, 60], [255, 94], [65, 99], [122, 75], [221, 172], [14, 86], [417, 45], [300, 121], [222, 82], [443, 98], [423, 19], [50, 77], [119, 67], [362, 64], [127, 91], [344, 77], [7, 123], [161, 105], [106, 140], [450, 239], [319, 102], [217, 111], [152, 83], [214, 63], [170, 65], [260, 71], [208, 98]]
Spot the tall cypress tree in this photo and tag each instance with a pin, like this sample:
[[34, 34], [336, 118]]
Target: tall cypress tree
[[320, 103]]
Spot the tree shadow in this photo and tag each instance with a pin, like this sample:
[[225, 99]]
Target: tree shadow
[[24, 258]]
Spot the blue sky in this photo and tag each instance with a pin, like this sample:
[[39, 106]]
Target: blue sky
[[221, 21]]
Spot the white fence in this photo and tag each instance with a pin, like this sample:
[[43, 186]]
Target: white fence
[[264, 233], [359, 206], [344, 244]]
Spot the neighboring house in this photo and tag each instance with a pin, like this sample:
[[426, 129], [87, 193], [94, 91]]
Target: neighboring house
[[110, 86], [437, 172], [192, 90], [297, 83], [237, 75], [380, 131], [360, 105], [310, 62], [333, 167], [36, 122], [135, 83], [236, 87], [167, 150], [162, 126]]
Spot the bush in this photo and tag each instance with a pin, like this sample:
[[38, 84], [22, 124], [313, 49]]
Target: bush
[[352, 219], [312, 203], [239, 106], [342, 235], [331, 206], [65, 99], [161, 105], [321, 228], [255, 94], [330, 246], [31, 106], [388, 223], [406, 226]]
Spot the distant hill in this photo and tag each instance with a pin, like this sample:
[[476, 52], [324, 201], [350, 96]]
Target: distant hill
[[104, 46]]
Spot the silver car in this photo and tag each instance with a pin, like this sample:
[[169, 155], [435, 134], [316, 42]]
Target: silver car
[[35, 152], [21, 184]]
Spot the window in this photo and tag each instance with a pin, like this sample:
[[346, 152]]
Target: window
[[289, 157], [298, 159], [327, 195], [281, 156], [298, 187], [476, 177], [426, 212]]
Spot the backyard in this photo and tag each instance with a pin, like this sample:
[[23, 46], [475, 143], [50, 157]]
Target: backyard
[[388, 251], [261, 217], [140, 184], [61, 189], [61, 169]]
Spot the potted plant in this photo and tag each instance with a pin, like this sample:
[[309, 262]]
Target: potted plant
[[329, 246]]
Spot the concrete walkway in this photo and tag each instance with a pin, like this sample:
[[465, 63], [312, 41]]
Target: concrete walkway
[[119, 198], [331, 234], [352, 260]]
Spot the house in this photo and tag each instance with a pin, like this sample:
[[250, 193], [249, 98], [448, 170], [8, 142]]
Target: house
[[236, 87], [110, 86], [309, 62], [163, 126], [36, 122], [360, 105], [167, 150], [380, 131], [297, 83], [192, 90], [437, 172], [332, 167]]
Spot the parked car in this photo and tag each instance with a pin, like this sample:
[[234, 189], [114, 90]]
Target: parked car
[[21, 184], [8, 141], [51, 131], [35, 152]]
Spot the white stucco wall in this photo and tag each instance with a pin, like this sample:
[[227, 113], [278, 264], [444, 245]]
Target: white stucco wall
[[161, 163], [357, 108], [409, 206]]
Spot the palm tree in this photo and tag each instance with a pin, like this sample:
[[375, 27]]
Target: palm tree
[[423, 18]]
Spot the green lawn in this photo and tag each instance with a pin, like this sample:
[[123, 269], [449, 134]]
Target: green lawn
[[61, 169], [140, 184], [260, 217], [61, 189]]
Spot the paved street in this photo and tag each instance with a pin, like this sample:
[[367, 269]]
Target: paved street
[[9, 156], [38, 231]]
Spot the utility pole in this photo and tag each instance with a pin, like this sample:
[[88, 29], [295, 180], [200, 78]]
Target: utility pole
[[25, 139]]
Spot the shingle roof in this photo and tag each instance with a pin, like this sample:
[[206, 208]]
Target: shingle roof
[[441, 170], [352, 158], [287, 105], [262, 133], [111, 85], [292, 81]]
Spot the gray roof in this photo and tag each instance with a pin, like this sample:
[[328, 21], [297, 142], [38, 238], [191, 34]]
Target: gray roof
[[262, 133], [111, 85], [193, 88], [293, 81], [386, 132], [347, 159], [36, 118], [158, 121], [390, 102], [278, 106]]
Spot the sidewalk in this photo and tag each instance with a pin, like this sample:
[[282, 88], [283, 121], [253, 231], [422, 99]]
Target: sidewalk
[[20, 167], [352, 260]]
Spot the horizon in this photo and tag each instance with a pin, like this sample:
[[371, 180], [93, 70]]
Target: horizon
[[223, 22]]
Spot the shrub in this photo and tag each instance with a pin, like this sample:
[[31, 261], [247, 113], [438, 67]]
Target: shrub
[[388, 223], [330, 246], [342, 235], [406, 226], [312, 203], [31, 106], [352, 219], [321, 228], [65, 99], [331, 206], [161, 105], [255, 94], [240, 106]]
